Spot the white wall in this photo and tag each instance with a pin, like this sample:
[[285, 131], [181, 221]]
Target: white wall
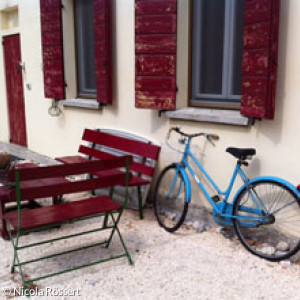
[[277, 141]]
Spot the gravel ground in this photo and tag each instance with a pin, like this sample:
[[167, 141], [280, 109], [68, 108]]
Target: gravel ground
[[185, 265]]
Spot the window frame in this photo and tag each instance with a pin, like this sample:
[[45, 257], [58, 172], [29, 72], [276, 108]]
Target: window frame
[[225, 100], [80, 95]]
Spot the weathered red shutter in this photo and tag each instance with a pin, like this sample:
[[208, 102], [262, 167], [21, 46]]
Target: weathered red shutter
[[52, 48], [103, 49], [155, 49], [260, 58]]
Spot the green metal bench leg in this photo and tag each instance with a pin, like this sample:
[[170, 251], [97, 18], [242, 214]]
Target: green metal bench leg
[[116, 228], [111, 192], [105, 220], [15, 243], [140, 197], [12, 270]]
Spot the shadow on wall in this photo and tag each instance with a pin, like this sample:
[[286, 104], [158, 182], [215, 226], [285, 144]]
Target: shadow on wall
[[273, 128], [158, 121]]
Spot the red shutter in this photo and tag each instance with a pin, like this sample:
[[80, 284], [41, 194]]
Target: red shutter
[[260, 58], [52, 48], [155, 49], [103, 50]]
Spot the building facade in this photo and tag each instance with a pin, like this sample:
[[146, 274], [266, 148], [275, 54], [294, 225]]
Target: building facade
[[144, 66]]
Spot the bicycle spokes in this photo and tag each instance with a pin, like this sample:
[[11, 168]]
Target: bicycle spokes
[[176, 188], [170, 204], [275, 234]]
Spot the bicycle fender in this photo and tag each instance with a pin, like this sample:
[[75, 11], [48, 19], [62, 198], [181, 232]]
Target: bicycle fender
[[187, 182], [276, 179]]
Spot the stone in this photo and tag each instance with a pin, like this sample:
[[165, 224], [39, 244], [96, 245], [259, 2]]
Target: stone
[[189, 223], [251, 242], [267, 250], [199, 226], [280, 253], [170, 215], [283, 246], [263, 245], [218, 229], [285, 264]]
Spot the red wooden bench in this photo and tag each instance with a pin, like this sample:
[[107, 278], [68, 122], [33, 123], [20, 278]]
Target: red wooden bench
[[104, 145], [26, 221]]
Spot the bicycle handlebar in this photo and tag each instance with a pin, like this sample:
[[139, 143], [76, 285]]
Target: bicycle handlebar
[[210, 137]]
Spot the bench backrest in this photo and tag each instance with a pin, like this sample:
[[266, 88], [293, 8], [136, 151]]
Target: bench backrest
[[113, 145], [61, 187]]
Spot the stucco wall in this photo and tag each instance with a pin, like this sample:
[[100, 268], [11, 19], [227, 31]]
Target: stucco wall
[[276, 141]]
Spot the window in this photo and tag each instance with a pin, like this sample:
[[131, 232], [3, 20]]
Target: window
[[85, 48], [226, 57], [69, 76], [217, 52]]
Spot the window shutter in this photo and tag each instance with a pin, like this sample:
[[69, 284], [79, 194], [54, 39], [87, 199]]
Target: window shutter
[[103, 50], [155, 49], [261, 29], [52, 48]]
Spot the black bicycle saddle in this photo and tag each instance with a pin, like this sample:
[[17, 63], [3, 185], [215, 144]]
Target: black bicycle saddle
[[241, 153]]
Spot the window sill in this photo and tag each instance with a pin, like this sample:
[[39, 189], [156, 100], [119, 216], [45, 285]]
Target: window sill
[[82, 103], [231, 117]]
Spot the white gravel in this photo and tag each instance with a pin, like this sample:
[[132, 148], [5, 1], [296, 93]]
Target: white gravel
[[185, 265]]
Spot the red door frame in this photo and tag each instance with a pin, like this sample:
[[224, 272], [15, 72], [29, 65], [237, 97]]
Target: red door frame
[[14, 88]]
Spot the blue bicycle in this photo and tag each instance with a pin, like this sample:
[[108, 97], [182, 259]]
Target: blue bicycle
[[265, 212]]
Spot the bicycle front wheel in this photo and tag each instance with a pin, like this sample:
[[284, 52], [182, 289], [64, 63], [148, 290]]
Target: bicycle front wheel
[[170, 203], [267, 220]]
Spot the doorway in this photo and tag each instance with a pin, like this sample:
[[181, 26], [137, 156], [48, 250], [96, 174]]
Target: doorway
[[14, 88]]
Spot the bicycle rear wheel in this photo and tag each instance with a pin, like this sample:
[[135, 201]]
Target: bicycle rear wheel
[[269, 224], [170, 203]]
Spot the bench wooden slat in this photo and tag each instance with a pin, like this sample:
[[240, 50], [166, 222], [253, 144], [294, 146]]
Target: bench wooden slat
[[43, 182], [142, 169], [133, 181], [68, 169], [63, 212], [120, 143], [72, 159], [95, 153], [30, 193]]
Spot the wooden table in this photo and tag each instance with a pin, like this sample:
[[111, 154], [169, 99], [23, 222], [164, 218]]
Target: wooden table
[[7, 195]]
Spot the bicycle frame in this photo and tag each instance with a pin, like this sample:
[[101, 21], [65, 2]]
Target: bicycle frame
[[184, 164]]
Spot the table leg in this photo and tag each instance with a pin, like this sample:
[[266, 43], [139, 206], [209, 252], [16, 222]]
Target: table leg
[[4, 232]]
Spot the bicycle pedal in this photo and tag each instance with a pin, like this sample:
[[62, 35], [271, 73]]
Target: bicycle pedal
[[215, 198]]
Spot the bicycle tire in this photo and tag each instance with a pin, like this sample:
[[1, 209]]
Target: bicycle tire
[[277, 239], [170, 215]]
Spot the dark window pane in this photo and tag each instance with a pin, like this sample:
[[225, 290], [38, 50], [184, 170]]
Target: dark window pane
[[85, 47], [212, 36], [238, 48]]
